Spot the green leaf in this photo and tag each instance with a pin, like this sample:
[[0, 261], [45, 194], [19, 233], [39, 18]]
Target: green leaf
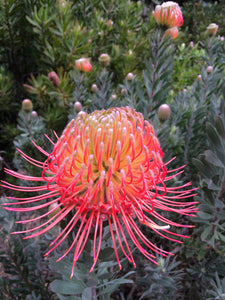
[[213, 136], [33, 22], [68, 297], [213, 159], [67, 287], [106, 253], [201, 167], [221, 237], [205, 216], [111, 286], [205, 233], [220, 126], [87, 294]]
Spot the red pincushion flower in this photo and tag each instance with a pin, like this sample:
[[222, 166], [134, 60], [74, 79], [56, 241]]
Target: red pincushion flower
[[83, 64], [169, 14], [106, 167]]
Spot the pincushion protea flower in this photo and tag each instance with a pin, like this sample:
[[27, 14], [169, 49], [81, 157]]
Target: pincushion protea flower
[[169, 14], [105, 168], [83, 64]]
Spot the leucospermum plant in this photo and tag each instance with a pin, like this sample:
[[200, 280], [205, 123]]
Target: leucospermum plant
[[106, 168]]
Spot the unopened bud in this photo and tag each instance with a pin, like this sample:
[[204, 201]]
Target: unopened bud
[[104, 59], [27, 105], [191, 44], [123, 92], [164, 112], [114, 96], [54, 78], [77, 106], [130, 76], [56, 209], [173, 130], [110, 23], [34, 114], [212, 29], [222, 38], [199, 78], [94, 88], [209, 69], [185, 90]]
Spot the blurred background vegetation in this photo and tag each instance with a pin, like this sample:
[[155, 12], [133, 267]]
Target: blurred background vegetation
[[38, 37]]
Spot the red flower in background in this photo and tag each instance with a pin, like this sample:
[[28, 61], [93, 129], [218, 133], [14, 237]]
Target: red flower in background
[[106, 167], [83, 64], [169, 14], [172, 32]]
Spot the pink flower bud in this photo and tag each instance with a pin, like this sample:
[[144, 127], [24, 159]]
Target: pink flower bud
[[54, 78], [164, 112], [77, 106], [110, 23], [199, 78], [130, 76], [94, 88], [34, 114], [27, 105], [114, 96], [209, 69], [83, 64]]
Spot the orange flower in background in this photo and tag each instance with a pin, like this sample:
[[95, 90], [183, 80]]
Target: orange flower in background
[[169, 14], [83, 64], [172, 32], [105, 169]]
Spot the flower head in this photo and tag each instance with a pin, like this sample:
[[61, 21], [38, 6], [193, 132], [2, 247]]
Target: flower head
[[83, 64], [169, 14], [172, 32], [106, 168]]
